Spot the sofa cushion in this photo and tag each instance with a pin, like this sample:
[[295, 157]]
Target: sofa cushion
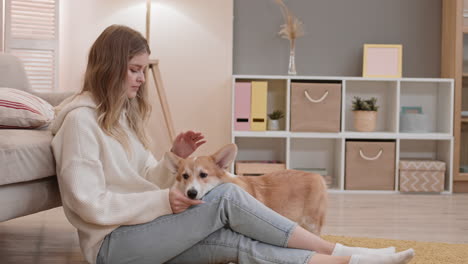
[[25, 155], [20, 109], [28, 197]]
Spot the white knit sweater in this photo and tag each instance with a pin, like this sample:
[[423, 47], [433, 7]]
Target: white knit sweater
[[101, 188]]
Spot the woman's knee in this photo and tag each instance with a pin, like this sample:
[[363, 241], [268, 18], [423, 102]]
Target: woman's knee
[[225, 190], [229, 188]]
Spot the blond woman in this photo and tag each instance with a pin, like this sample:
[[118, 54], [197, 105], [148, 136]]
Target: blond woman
[[120, 198]]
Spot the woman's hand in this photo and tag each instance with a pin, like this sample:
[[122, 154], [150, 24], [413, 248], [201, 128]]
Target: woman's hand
[[186, 143], [179, 202]]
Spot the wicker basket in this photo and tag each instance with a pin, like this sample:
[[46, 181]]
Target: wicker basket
[[365, 121]]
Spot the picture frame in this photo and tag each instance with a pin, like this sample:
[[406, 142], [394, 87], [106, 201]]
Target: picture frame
[[382, 61], [411, 109]]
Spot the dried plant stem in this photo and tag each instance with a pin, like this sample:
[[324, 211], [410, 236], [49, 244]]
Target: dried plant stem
[[292, 27]]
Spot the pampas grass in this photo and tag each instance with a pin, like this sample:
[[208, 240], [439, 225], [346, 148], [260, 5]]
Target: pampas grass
[[290, 30], [292, 27]]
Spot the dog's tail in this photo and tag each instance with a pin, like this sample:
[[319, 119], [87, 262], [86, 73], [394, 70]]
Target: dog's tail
[[323, 206]]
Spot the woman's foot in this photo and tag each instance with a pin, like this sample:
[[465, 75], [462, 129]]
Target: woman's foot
[[397, 258], [341, 250]]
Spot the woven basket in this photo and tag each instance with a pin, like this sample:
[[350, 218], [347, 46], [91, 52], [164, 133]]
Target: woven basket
[[365, 121]]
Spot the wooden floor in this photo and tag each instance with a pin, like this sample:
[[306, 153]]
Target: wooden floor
[[431, 218], [47, 237]]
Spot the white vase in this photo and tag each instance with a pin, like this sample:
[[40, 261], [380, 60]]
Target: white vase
[[273, 124]]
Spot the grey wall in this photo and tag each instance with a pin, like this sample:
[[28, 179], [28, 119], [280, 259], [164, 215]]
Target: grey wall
[[335, 33]]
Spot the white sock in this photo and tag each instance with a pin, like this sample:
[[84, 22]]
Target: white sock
[[397, 258], [341, 250]]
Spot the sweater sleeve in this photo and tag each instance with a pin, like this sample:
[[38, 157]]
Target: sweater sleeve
[[83, 183], [158, 172]]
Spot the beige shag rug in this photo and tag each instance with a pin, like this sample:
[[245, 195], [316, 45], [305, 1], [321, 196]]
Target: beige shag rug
[[426, 252]]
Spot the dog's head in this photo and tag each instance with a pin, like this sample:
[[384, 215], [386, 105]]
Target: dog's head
[[197, 176]]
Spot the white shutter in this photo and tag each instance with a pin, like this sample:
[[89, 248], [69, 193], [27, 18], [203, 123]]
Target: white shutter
[[2, 26], [31, 33]]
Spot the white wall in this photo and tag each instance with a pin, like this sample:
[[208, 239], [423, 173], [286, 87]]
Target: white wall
[[192, 40], [2, 25]]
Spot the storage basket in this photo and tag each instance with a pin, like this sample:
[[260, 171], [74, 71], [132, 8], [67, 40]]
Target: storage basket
[[253, 168], [315, 107], [370, 165], [422, 175]]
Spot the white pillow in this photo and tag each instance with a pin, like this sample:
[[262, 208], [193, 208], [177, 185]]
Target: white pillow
[[19, 109]]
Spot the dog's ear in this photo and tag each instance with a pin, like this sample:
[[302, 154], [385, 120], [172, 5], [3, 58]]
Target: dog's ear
[[225, 156], [172, 161]]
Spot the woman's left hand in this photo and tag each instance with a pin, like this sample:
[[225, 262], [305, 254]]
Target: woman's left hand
[[186, 143]]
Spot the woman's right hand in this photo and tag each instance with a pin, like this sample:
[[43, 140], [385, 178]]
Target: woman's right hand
[[179, 202]]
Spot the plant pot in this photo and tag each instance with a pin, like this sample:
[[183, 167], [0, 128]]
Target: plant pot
[[273, 124], [365, 121]]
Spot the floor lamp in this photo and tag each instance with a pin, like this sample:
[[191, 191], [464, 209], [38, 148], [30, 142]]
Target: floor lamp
[[153, 66]]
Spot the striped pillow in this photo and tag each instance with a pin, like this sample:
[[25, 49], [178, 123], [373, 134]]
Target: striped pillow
[[19, 109]]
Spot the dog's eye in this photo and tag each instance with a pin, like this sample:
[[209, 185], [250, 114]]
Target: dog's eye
[[185, 175], [203, 175]]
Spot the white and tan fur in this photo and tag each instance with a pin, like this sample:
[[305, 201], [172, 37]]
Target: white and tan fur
[[297, 195]]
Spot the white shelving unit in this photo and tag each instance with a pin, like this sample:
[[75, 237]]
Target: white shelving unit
[[327, 150]]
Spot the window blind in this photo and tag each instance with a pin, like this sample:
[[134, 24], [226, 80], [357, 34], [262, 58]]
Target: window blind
[[31, 33]]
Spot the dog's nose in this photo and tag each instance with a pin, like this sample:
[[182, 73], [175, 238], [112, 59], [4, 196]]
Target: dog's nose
[[192, 193]]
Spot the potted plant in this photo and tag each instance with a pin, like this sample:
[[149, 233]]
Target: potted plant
[[365, 114], [273, 122]]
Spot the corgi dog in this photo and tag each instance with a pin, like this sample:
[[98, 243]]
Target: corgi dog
[[297, 195]]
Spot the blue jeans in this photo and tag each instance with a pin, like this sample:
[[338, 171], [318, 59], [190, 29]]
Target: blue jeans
[[231, 226]]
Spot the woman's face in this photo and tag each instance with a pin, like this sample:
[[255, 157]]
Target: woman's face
[[136, 74]]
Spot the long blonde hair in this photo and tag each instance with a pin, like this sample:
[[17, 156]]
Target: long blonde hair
[[105, 76]]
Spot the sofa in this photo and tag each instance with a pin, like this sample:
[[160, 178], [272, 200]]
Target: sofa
[[27, 168]]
